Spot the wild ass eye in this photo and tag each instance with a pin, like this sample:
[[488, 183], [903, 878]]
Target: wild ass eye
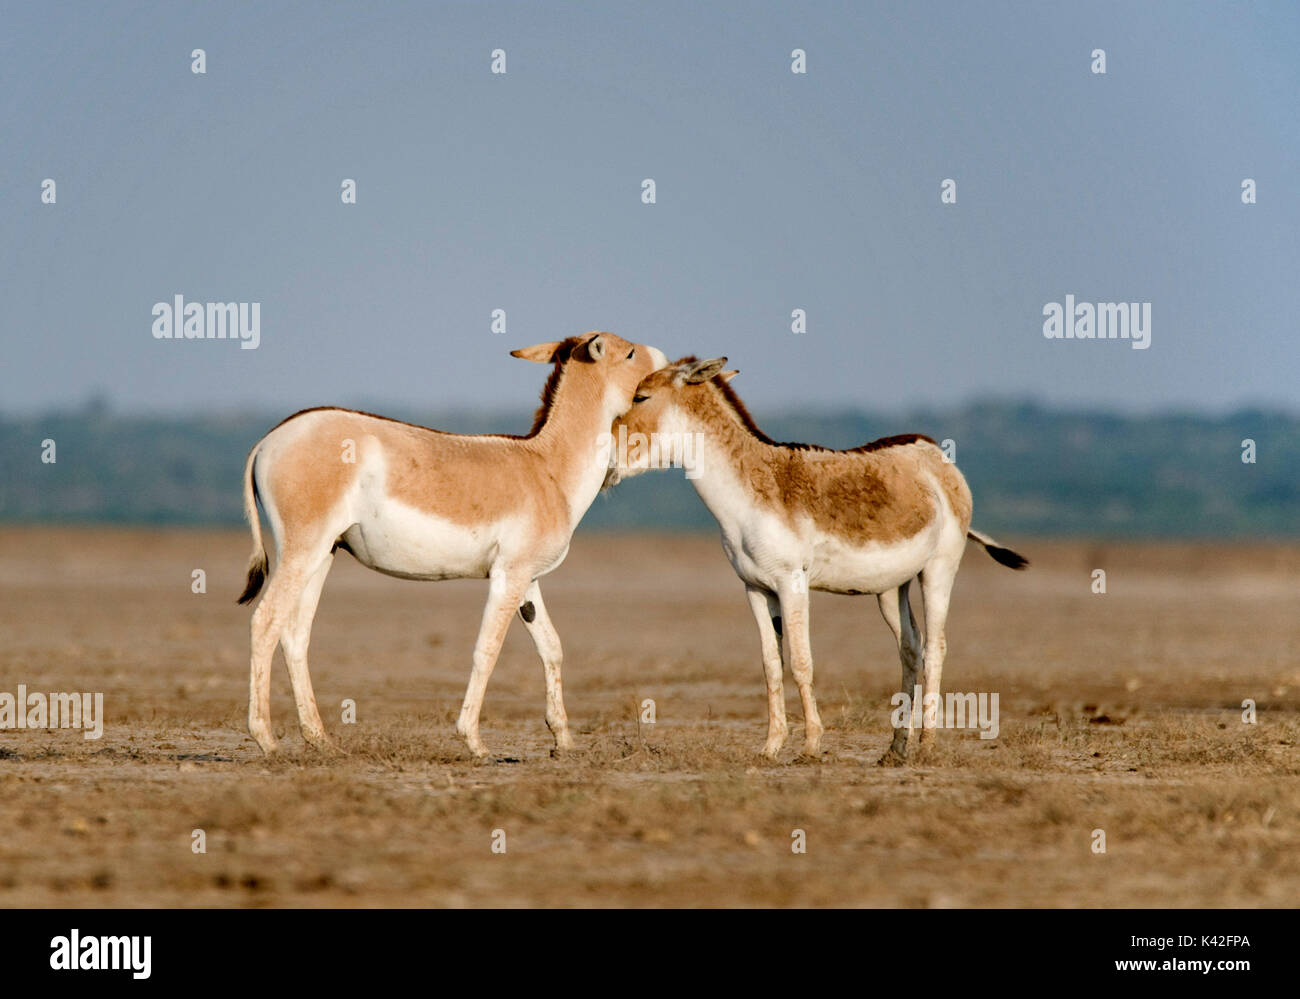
[[630, 353], [640, 398]]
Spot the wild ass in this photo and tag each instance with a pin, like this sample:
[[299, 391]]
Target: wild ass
[[797, 517], [422, 504]]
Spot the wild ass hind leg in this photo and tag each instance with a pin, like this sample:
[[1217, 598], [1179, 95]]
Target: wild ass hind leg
[[794, 612], [505, 594], [896, 609], [294, 639], [936, 590], [767, 615], [273, 613], [547, 642]]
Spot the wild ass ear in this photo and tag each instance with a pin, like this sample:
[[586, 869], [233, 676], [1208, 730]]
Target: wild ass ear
[[702, 371], [596, 347], [542, 353]]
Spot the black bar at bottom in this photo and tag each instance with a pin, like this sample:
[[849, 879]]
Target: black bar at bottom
[[564, 948]]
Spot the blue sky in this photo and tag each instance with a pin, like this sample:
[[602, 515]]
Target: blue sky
[[775, 191]]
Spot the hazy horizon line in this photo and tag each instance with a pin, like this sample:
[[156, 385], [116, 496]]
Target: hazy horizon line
[[100, 405]]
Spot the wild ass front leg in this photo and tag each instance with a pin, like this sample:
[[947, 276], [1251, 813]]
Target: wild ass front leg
[[504, 596], [896, 609], [547, 641], [767, 615], [794, 611]]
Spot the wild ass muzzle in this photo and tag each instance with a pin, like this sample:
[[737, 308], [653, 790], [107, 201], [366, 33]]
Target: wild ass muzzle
[[422, 504], [797, 517]]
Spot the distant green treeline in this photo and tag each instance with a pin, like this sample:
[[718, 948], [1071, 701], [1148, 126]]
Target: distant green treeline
[[1032, 469]]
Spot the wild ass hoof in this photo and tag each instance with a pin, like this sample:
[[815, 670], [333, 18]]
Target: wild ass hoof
[[775, 741], [926, 752], [564, 745], [472, 740], [892, 758], [266, 742]]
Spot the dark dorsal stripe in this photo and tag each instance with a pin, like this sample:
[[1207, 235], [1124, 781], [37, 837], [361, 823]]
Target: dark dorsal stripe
[[549, 392], [738, 407], [898, 440], [561, 357]]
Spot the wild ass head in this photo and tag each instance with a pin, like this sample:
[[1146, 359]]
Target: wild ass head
[[599, 370], [653, 432]]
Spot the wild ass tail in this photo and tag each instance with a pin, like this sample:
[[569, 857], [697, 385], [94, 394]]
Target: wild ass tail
[[256, 561], [1006, 556]]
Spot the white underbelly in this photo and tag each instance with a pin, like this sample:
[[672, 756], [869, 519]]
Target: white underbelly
[[846, 567], [399, 540]]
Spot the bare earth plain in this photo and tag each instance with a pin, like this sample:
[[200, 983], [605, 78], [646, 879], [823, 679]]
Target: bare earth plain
[[1119, 712]]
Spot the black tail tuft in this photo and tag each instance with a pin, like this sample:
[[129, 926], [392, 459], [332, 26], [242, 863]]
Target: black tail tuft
[[256, 577], [1012, 560], [1004, 556]]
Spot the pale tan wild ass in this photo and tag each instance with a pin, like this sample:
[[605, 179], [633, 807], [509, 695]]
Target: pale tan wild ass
[[422, 504], [797, 517]]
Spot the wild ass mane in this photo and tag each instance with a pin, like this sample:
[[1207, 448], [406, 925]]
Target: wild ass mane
[[551, 388], [549, 392], [747, 421]]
